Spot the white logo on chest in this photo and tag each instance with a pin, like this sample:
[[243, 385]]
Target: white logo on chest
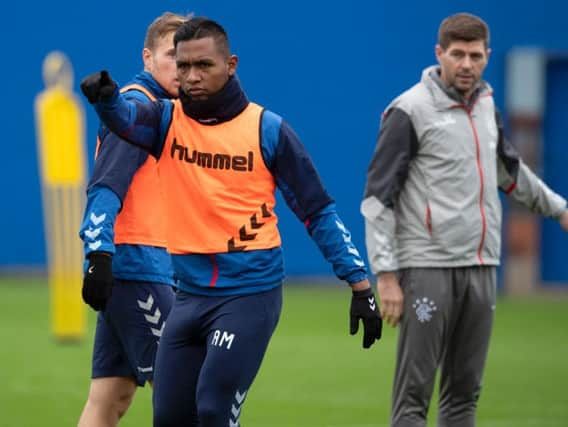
[[446, 120], [424, 309]]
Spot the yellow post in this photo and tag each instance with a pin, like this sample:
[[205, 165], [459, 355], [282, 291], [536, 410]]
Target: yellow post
[[61, 151]]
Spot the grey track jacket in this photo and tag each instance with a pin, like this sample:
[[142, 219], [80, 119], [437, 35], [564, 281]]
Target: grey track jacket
[[431, 197]]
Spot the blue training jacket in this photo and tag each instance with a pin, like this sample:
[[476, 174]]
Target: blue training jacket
[[115, 166]]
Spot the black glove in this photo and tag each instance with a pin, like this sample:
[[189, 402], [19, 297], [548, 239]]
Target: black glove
[[97, 283], [98, 87], [364, 306]]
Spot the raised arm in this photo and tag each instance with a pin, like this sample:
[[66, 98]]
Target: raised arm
[[142, 124], [518, 181]]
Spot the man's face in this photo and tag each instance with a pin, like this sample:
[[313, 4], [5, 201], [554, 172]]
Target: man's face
[[160, 62], [202, 68], [462, 64]]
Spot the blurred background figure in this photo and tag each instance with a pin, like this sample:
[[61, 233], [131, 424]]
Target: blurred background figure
[[61, 149]]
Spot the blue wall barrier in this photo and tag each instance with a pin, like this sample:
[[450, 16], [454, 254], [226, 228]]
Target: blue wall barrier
[[554, 243], [329, 68]]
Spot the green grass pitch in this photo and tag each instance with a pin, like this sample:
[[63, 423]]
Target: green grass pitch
[[314, 374]]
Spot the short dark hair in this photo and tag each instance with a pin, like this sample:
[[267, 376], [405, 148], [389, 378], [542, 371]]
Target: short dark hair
[[161, 26], [462, 27], [200, 27]]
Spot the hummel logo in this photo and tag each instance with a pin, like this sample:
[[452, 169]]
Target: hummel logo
[[93, 234], [236, 409], [91, 269], [240, 396], [97, 219], [341, 227], [94, 245], [155, 318], [148, 304], [353, 251], [372, 304], [158, 332]]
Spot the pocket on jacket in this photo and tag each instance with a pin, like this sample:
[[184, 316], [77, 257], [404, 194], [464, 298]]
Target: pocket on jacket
[[452, 230]]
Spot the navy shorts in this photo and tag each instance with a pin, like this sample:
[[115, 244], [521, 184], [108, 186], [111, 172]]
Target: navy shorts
[[128, 330], [210, 353]]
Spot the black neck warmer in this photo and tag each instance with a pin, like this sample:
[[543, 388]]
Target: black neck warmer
[[223, 106]]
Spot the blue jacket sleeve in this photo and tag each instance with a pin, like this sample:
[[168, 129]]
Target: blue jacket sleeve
[[117, 162], [97, 229], [144, 124], [303, 191], [334, 241]]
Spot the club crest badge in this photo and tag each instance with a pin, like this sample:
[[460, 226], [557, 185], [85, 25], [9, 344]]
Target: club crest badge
[[424, 309]]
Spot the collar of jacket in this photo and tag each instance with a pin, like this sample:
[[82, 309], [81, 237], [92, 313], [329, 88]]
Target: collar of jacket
[[145, 79], [221, 107], [448, 97]]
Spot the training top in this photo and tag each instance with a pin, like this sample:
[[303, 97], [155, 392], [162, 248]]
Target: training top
[[227, 156], [431, 198], [124, 215]]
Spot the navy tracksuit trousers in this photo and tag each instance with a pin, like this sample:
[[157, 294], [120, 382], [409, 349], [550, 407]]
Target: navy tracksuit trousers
[[209, 355]]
